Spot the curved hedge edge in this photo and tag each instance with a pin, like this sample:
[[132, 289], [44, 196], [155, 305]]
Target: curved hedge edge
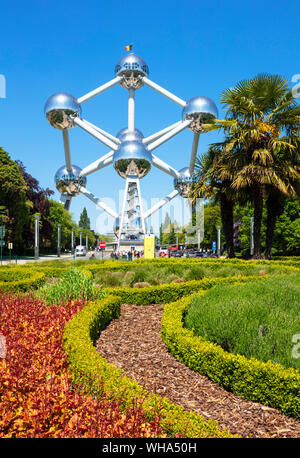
[[96, 376], [267, 383], [170, 292], [24, 284]]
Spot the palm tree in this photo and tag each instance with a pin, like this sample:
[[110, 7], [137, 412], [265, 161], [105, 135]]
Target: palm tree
[[259, 154], [209, 184]]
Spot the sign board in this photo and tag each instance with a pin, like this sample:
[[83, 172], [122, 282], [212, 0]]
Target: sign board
[[149, 246], [102, 244], [2, 242], [10, 246], [173, 247], [2, 232], [214, 246]]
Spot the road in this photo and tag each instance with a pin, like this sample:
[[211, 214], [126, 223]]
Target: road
[[63, 257]]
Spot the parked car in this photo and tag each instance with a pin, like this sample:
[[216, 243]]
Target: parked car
[[80, 250], [176, 254]]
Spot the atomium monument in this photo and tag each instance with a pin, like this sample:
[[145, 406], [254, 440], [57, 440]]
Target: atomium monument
[[130, 153]]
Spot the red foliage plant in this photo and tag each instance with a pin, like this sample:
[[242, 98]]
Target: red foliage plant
[[36, 394]]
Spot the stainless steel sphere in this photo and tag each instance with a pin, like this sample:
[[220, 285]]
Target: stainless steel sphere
[[202, 110], [124, 135], [69, 182], [58, 109], [132, 159], [183, 184], [131, 67]]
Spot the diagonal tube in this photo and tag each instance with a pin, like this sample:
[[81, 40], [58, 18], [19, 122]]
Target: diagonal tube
[[99, 164], [103, 132], [159, 134], [161, 203], [98, 202], [159, 164], [164, 92], [170, 134], [99, 90], [92, 131]]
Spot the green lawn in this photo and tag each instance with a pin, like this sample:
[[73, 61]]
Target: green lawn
[[256, 319]]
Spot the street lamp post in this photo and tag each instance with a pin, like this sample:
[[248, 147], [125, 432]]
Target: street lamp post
[[219, 241], [36, 236], [80, 236], [72, 240], [251, 236], [58, 240]]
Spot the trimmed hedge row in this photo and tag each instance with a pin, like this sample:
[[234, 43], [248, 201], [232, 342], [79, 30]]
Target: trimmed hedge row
[[20, 280], [268, 383], [170, 292], [95, 376]]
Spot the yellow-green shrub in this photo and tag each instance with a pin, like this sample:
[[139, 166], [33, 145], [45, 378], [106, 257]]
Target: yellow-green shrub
[[96, 376], [251, 379]]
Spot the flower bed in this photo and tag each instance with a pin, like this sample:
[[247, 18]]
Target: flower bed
[[38, 398]]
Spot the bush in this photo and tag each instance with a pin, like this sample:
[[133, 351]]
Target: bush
[[257, 319], [20, 279], [74, 284], [267, 383]]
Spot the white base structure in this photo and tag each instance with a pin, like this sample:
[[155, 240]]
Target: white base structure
[[129, 152]]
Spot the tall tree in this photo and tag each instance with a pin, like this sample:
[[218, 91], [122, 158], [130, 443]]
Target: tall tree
[[15, 207], [210, 184], [263, 121], [39, 198], [84, 220]]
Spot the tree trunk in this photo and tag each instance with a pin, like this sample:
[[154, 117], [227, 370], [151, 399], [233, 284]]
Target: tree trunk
[[226, 207], [258, 203], [274, 209]]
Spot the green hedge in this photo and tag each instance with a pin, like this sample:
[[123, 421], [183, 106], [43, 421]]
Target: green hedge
[[162, 294], [267, 383], [20, 280], [95, 376]]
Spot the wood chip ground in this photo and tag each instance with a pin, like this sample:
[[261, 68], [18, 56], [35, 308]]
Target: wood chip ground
[[133, 343]]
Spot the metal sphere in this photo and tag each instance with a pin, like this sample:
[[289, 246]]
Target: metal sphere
[[125, 135], [202, 110], [183, 184], [132, 159], [69, 182], [58, 109], [131, 67]]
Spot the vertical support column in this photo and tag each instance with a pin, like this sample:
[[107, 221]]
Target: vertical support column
[[67, 149], [123, 212], [58, 240], [86, 242], [140, 204], [251, 236], [131, 109], [194, 152], [80, 238], [72, 240], [219, 241], [36, 236], [199, 234]]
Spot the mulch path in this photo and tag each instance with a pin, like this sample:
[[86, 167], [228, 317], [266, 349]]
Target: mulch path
[[133, 343]]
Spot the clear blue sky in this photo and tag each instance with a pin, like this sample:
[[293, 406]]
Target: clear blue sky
[[191, 48]]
